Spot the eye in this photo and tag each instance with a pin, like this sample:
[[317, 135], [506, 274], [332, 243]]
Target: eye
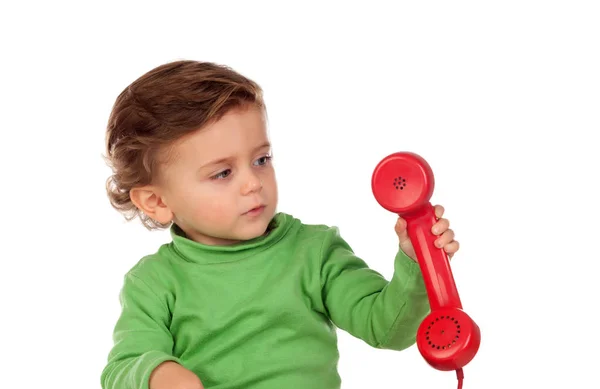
[[263, 160], [222, 175]]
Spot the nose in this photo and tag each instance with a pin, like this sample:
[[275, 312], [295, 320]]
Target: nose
[[252, 183]]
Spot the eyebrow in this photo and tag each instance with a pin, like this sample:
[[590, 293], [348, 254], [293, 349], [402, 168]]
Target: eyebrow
[[221, 160]]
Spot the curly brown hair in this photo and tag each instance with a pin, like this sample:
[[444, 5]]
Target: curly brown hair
[[159, 108]]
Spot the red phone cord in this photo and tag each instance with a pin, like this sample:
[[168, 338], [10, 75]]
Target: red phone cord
[[460, 376]]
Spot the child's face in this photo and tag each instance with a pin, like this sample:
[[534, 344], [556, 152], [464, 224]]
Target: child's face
[[218, 175]]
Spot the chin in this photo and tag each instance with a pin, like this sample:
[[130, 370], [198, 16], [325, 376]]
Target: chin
[[255, 230]]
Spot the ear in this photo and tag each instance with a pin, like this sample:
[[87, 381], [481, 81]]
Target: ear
[[148, 199]]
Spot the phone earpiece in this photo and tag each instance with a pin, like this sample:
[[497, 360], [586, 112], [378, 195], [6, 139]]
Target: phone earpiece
[[403, 182], [448, 338]]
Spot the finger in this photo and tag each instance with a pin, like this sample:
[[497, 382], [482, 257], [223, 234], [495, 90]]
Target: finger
[[446, 238], [439, 211], [451, 248], [440, 226], [401, 229]]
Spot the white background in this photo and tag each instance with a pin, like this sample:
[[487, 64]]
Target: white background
[[502, 98]]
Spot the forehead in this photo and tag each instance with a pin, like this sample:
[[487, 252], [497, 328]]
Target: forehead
[[238, 132]]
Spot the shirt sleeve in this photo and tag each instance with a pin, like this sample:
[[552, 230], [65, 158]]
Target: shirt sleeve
[[141, 337], [359, 300]]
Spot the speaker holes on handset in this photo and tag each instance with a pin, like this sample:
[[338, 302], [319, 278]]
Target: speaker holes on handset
[[432, 332], [399, 183]]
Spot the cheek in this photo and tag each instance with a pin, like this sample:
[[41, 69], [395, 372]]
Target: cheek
[[211, 206], [214, 213], [270, 183]]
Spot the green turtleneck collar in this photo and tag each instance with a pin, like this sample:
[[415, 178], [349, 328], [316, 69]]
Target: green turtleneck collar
[[206, 254]]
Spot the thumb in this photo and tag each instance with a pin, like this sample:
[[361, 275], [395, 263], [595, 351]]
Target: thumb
[[401, 230]]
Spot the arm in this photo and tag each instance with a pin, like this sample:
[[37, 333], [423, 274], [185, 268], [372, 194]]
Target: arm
[[142, 341], [360, 301]]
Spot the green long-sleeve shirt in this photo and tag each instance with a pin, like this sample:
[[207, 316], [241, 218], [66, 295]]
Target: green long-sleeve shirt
[[260, 314]]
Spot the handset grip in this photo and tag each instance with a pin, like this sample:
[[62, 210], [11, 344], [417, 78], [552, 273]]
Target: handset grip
[[433, 261]]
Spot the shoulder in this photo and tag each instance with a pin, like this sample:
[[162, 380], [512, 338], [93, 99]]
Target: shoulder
[[150, 281], [295, 223], [152, 268], [311, 233]]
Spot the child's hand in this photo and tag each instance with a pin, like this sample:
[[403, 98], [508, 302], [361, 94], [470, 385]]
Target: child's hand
[[441, 227], [171, 375]]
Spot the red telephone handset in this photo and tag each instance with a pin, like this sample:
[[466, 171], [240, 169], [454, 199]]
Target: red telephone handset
[[448, 338]]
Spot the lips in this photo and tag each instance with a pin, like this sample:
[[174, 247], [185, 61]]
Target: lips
[[256, 209]]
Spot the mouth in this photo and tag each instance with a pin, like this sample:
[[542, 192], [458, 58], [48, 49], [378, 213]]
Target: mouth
[[255, 211]]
